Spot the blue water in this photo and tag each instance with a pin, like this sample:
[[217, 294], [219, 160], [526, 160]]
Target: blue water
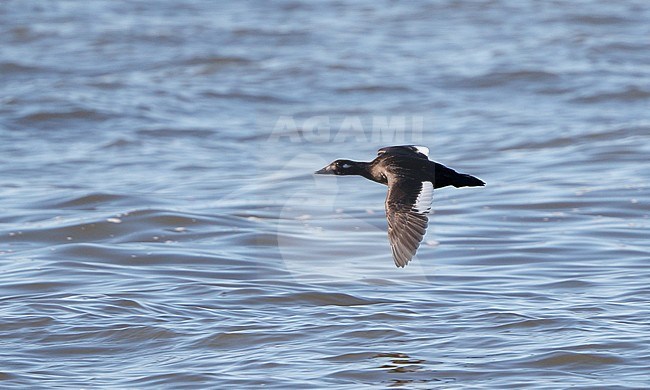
[[160, 225]]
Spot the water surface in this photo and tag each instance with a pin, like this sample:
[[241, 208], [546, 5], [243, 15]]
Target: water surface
[[160, 225]]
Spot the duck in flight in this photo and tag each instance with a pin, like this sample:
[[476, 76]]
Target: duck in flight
[[411, 178]]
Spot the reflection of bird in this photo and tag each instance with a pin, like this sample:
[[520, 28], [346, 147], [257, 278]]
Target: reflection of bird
[[410, 178]]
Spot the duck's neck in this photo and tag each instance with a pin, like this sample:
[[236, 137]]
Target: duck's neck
[[362, 168]]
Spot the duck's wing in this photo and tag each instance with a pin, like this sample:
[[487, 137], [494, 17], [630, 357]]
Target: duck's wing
[[407, 204], [413, 150]]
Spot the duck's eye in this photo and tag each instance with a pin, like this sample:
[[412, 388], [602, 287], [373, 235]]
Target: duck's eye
[[345, 166]]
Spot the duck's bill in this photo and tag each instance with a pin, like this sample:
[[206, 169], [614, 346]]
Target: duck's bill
[[325, 171]]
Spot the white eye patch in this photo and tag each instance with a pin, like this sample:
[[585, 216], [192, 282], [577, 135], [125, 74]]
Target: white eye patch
[[346, 166]]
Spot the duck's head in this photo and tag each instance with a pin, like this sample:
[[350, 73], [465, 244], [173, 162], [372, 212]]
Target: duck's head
[[340, 167]]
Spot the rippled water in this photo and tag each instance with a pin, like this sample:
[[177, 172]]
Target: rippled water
[[160, 225]]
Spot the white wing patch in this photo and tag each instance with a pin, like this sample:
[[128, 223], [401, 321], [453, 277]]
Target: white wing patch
[[422, 149], [423, 202]]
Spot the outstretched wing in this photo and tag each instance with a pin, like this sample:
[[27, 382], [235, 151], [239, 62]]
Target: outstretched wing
[[413, 150], [407, 204]]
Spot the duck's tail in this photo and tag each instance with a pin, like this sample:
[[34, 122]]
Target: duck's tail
[[465, 180], [445, 176]]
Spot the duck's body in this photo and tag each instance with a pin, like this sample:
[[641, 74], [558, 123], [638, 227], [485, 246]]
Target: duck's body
[[411, 178]]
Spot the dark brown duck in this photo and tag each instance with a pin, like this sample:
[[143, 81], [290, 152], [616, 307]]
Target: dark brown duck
[[411, 178]]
